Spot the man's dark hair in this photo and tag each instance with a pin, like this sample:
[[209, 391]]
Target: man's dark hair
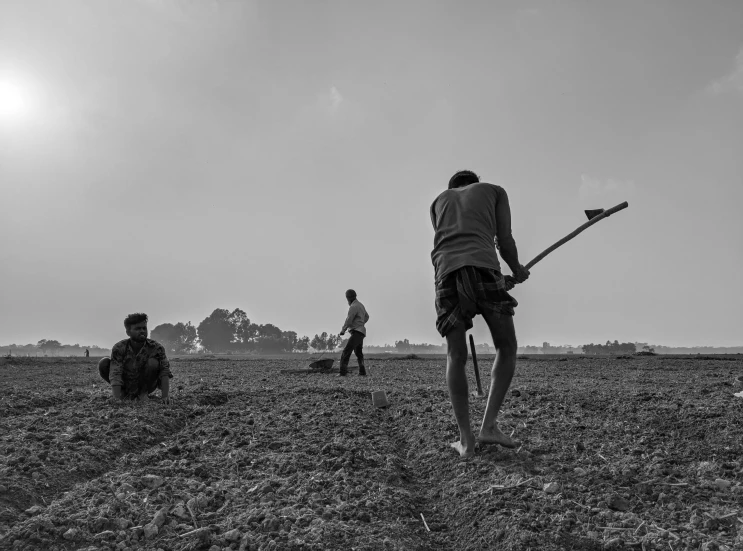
[[463, 178], [133, 319], [351, 293]]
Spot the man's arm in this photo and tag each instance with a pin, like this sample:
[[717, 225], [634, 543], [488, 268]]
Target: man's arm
[[504, 239], [165, 389], [349, 318], [165, 373], [115, 374]]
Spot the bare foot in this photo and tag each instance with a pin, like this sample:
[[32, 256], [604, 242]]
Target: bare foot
[[494, 435], [464, 451]]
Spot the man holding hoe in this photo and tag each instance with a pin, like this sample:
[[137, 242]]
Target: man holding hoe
[[467, 219], [356, 323]]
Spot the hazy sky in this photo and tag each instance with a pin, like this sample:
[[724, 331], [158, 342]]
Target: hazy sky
[[174, 157]]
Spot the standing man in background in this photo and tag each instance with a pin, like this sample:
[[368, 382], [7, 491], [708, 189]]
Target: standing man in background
[[467, 219], [355, 322]]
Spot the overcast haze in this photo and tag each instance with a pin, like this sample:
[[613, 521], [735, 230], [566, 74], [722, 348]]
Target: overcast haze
[[174, 157]]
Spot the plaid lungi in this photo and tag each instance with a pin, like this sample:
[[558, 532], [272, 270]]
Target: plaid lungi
[[469, 291]]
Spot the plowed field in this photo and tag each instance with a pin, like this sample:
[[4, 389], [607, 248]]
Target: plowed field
[[638, 452]]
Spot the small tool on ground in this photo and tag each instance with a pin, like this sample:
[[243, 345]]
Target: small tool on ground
[[479, 391], [379, 397], [317, 366], [594, 216], [322, 365]]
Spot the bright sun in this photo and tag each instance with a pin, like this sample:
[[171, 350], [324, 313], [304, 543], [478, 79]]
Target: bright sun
[[14, 102]]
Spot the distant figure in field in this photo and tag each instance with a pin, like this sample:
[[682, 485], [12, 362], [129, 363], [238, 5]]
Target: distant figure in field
[[467, 219], [87, 353], [355, 322], [138, 365]]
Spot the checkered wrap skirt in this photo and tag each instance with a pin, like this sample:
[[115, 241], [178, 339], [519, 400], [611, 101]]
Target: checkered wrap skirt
[[469, 291]]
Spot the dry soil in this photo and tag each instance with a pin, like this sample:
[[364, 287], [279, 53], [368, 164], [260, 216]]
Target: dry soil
[[634, 452]]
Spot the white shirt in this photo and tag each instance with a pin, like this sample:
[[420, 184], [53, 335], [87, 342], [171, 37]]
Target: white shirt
[[357, 318]]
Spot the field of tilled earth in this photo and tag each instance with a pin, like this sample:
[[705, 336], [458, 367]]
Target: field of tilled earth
[[614, 453]]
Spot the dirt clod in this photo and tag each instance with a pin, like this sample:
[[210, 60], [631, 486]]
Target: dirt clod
[[150, 530], [618, 503]]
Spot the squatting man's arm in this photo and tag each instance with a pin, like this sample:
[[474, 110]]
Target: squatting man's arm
[[115, 377], [165, 389]]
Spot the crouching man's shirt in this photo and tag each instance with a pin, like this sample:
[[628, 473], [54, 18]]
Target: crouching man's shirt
[[126, 366]]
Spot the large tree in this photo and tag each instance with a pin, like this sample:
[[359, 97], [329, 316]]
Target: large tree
[[302, 345], [176, 339], [269, 330], [403, 345], [49, 345], [269, 338], [243, 332], [290, 339], [320, 342], [216, 332], [325, 341], [333, 341], [225, 331]]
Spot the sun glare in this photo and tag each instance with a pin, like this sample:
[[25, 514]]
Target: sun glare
[[14, 101]]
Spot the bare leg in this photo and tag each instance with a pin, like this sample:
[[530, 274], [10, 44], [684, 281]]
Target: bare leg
[[456, 380], [504, 338]]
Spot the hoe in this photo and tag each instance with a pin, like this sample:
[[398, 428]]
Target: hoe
[[594, 216]]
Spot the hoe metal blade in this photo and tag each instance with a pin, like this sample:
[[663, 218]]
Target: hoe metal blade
[[593, 213]]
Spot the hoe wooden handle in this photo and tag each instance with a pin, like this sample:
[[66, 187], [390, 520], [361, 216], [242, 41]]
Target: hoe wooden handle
[[591, 222], [477, 369]]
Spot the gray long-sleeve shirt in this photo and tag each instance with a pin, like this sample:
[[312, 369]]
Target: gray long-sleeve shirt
[[357, 318]]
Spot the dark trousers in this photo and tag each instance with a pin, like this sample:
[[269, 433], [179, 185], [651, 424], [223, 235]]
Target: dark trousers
[[149, 379], [354, 344]]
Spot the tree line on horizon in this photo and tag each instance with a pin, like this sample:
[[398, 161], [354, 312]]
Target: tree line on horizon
[[220, 332], [223, 331], [55, 348], [610, 348]]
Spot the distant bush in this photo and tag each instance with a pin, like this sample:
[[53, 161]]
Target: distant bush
[[645, 353], [410, 357], [609, 349]]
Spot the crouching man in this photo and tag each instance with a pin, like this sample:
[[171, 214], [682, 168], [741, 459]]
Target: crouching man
[[138, 365]]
